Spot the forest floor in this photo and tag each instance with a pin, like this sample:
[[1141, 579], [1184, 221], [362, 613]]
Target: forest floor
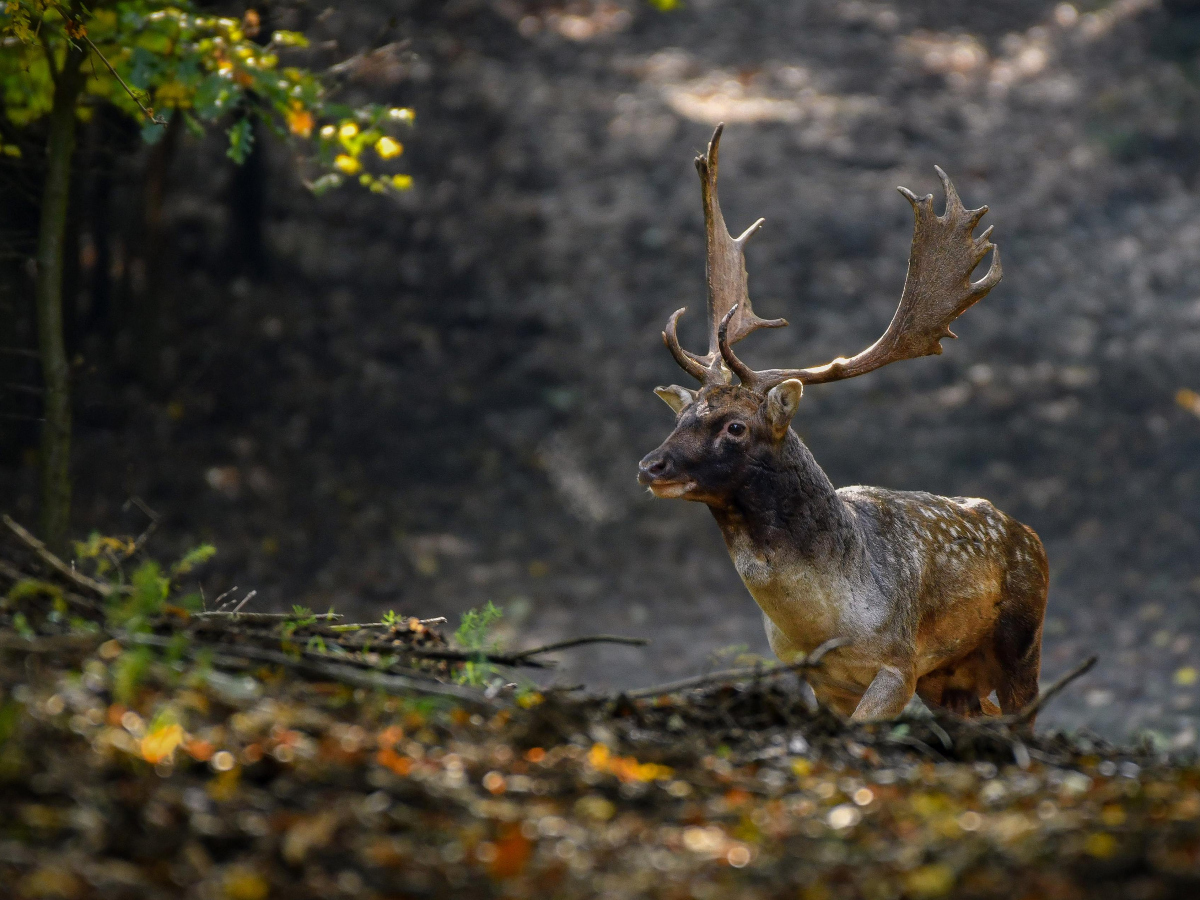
[[443, 402], [151, 749], [267, 784], [439, 401]]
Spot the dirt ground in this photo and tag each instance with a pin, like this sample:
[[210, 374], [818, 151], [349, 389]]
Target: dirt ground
[[428, 404]]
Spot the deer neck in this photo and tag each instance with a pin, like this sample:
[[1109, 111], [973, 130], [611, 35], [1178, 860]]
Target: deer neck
[[787, 512]]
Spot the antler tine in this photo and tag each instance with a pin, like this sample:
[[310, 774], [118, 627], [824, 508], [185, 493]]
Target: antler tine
[[728, 294], [744, 373], [686, 360], [937, 290]]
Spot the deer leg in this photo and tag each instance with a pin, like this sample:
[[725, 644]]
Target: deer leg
[[887, 695]]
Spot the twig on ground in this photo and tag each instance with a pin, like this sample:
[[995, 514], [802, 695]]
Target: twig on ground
[[103, 588], [261, 617], [154, 517], [55, 643], [359, 626], [1051, 692], [391, 682], [575, 642], [250, 596], [15, 575], [217, 600], [811, 661]]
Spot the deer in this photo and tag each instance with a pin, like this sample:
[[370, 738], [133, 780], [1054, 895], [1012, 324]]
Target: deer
[[941, 597]]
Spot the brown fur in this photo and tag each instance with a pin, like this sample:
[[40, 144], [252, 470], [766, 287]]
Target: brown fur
[[942, 597]]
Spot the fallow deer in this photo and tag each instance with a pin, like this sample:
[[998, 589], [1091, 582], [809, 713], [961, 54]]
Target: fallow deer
[[939, 596]]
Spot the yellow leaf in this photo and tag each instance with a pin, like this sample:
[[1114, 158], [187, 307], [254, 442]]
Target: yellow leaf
[[1101, 845], [347, 164], [51, 881], [935, 880], [529, 700], [1186, 676], [388, 148], [242, 883], [402, 182], [300, 121], [347, 131], [1189, 400], [161, 743]]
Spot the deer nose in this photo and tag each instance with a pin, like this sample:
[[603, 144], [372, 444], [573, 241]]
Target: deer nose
[[655, 466]]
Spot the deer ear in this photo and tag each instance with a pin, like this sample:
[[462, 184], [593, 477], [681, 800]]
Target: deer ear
[[782, 401], [676, 397]]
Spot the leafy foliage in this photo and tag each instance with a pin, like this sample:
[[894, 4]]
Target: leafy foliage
[[155, 61], [475, 634], [193, 558]]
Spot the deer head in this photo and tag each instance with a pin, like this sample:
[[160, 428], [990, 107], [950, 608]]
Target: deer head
[[724, 430]]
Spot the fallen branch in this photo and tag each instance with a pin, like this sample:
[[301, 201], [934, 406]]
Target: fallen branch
[[263, 618], [392, 683], [579, 641], [1051, 692], [154, 518], [103, 588], [54, 643], [812, 661]]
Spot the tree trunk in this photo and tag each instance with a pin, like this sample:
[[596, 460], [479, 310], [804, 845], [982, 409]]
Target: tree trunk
[[149, 303], [51, 256]]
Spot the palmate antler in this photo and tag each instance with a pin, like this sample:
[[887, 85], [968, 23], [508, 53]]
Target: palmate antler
[[728, 295], [937, 290]]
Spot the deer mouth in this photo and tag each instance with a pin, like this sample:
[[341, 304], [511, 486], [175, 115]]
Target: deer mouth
[[668, 489]]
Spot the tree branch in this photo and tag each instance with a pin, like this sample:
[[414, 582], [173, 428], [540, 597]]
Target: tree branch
[[149, 113], [231, 655], [1051, 692], [575, 642], [812, 661], [49, 51], [104, 589]]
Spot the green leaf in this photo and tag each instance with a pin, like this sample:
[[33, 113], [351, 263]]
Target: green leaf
[[325, 183], [152, 132], [129, 671], [289, 39], [194, 557], [241, 140], [145, 69], [476, 625], [212, 97]]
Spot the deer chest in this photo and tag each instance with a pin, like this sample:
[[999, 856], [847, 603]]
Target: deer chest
[[808, 604]]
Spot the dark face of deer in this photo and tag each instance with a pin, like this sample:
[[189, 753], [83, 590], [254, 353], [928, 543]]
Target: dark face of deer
[[722, 432]]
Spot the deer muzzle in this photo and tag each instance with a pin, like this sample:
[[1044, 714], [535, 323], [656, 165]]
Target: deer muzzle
[[658, 472]]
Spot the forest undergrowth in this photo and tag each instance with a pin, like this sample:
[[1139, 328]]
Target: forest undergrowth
[[155, 743]]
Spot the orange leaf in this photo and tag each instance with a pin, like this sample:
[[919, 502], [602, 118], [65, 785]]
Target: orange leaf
[[513, 850]]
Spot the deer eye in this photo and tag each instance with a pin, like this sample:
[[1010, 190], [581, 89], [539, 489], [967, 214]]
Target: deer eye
[[737, 429]]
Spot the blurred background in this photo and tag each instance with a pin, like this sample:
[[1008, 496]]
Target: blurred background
[[429, 400]]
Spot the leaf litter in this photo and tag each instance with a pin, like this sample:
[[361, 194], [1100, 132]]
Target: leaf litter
[[293, 755]]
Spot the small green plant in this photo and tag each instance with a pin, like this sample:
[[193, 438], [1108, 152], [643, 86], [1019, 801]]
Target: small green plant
[[302, 617], [475, 627], [474, 634], [129, 672], [316, 644], [133, 610], [197, 556], [390, 618], [21, 624]]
